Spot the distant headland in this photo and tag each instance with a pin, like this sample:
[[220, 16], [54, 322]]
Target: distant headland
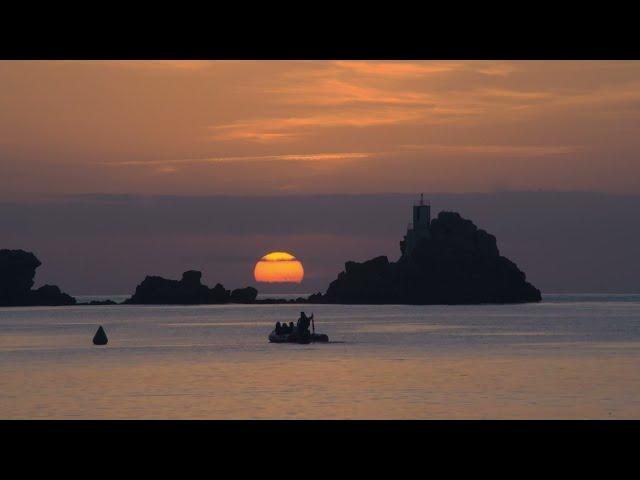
[[17, 271], [445, 260]]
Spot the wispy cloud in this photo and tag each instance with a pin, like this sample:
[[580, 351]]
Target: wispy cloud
[[184, 65], [278, 129], [398, 68], [331, 91], [625, 94], [520, 95], [408, 69], [497, 69], [170, 165], [360, 94], [499, 150]]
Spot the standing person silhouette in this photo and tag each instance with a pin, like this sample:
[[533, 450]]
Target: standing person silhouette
[[303, 323]]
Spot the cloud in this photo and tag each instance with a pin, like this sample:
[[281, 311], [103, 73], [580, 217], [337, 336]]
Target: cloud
[[335, 92], [496, 150], [169, 166], [277, 129], [183, 65], [398, 68], [361, 94], [520, 95], [498, 69], [622, 95], [172, 165], [408, 69]]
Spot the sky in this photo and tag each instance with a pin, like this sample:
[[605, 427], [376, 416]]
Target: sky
[[301, 127], [112, 170]]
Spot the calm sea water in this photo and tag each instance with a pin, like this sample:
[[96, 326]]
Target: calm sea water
[[571, 356]]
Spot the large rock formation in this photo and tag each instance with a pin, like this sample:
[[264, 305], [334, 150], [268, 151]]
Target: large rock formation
[[457, 264], [17, 270], [187, 291]]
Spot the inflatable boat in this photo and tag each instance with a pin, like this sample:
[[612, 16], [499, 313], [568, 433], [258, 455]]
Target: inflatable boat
[[295, 338], [291, 334]]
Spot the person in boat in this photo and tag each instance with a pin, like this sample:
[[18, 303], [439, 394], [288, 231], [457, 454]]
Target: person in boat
[[303, 323], [284, 329]]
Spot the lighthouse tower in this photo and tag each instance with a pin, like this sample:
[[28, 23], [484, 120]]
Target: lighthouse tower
[[421, 217], [418, 229]]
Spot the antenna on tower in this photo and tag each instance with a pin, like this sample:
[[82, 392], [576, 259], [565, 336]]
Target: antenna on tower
[[422, 199]]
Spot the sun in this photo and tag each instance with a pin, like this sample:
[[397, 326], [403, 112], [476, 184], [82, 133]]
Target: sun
[[279, 267]]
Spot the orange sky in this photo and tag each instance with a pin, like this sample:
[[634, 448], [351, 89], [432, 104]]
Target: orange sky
[[291, 127]]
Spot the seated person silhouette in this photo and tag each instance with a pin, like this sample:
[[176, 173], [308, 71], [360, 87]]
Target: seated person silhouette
[[278, 328]]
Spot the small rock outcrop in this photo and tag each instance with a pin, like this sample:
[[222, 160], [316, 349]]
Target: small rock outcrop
[[187, 291], [51, 295], [244, 295], [456, 264], [17, 271], [100, 338], [99, 302]]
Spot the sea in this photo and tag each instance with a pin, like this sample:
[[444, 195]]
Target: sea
[[567, 357]]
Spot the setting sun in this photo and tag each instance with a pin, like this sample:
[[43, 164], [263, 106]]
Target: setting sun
[[279, 267]]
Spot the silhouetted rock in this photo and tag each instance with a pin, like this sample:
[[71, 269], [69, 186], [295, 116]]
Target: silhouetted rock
[[271, 301], [187, 291], [219, 294], [17, 270], [244, 295], [100, 338], [456, 264], [192, 279], [314, 298], [51, 295], [99, 302]]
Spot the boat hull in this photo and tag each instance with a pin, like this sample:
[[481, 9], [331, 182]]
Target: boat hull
[[294, 338]]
